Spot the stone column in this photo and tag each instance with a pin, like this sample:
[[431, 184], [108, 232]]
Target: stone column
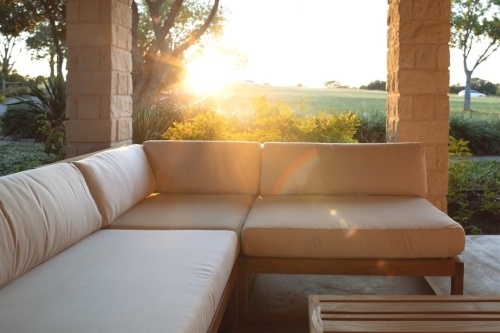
[[418, 59], [99, 83]]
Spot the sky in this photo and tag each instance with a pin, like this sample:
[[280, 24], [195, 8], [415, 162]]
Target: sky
[[287, 42]]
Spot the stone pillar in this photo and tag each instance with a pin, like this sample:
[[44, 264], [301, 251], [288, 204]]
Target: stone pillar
[[99, 82], [418, 59]]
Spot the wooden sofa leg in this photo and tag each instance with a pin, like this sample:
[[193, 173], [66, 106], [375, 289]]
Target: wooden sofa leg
[[457, 280], [243, 294]]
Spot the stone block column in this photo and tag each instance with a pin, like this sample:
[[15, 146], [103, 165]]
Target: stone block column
[[418, 61], [99, 82]]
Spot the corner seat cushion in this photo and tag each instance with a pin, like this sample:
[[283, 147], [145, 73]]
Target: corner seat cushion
[[205, 167], [187, 211], [380, 227], [343, 168], [118, 179], [42, 212], [124, 281]]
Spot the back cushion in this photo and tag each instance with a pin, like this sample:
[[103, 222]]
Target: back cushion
[[195, 167], [117, 179], [42, 212], [315, 168]]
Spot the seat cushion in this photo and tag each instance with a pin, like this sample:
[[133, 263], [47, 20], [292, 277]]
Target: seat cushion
[[349, 227], [118, 179], [340, 168], [124, 281], [205, 167], [42, 212], [187, 211]]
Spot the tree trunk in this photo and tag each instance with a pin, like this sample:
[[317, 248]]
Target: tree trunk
[[468, 77]]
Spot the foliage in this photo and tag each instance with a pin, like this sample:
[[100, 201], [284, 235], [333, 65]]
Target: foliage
[[371, 126], [273, 122], [265, 123], [375, 85], [473, 186], [160, 39], [484, 86], [40, 115], [22, 156], [149, 122], [19, 122], [482, 134], [333, 127], [474, 23], [42, 45], [24, 16], [208, 125], [334, 84]]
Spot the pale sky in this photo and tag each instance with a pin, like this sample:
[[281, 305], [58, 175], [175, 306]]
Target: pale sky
[[287, 42]]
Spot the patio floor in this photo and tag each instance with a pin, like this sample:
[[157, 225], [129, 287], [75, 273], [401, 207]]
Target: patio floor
[[282, 294]]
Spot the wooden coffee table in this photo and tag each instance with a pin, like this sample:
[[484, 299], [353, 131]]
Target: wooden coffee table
[[404, 314]]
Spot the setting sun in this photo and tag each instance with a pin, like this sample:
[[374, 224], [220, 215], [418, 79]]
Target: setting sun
[[209, 72]]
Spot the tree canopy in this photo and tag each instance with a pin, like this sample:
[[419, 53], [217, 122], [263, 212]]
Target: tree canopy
[[162, 31]]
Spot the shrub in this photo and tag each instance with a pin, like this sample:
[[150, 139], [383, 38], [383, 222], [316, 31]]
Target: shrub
[[473, 188], [334, 127], [371, 126], [40, 115], [208, 125], [151, 122], [482, 134], [20, 122]]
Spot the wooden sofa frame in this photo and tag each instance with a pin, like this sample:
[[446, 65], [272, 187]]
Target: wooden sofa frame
[[247, 266]]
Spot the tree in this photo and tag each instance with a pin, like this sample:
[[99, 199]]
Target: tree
[[484, 86], [375, 85], [18, 16], [14, 19], [7, 56], [475, 23], [42, 45], [162, 30]]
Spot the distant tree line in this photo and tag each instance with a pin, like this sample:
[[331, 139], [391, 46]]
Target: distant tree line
[[484, 86]]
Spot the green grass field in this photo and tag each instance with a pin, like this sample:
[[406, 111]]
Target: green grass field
[[313, 100]]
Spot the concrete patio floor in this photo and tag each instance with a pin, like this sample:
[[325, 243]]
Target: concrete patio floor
[[282, 294]]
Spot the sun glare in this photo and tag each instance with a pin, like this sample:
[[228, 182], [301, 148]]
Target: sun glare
[[209, 72]]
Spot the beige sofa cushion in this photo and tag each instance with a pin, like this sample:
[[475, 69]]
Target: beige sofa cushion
[[187, 211], [118, 179], [124, 281], [197, 167], [349, 227], [42, 212], [330, 168]]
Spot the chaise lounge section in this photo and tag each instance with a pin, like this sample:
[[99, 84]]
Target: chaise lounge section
[[157, 236]]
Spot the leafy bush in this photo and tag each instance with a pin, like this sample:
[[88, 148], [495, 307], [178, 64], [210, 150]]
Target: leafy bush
[[483, 134], [333, 127], [208, 125], [266, 123], [20, 122], [371, 126], [22, 156], [473, 189]]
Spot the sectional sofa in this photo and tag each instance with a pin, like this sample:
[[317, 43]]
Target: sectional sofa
[[160, 236]]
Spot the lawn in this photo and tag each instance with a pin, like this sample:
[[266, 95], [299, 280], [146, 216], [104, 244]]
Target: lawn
[[313, 100]]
